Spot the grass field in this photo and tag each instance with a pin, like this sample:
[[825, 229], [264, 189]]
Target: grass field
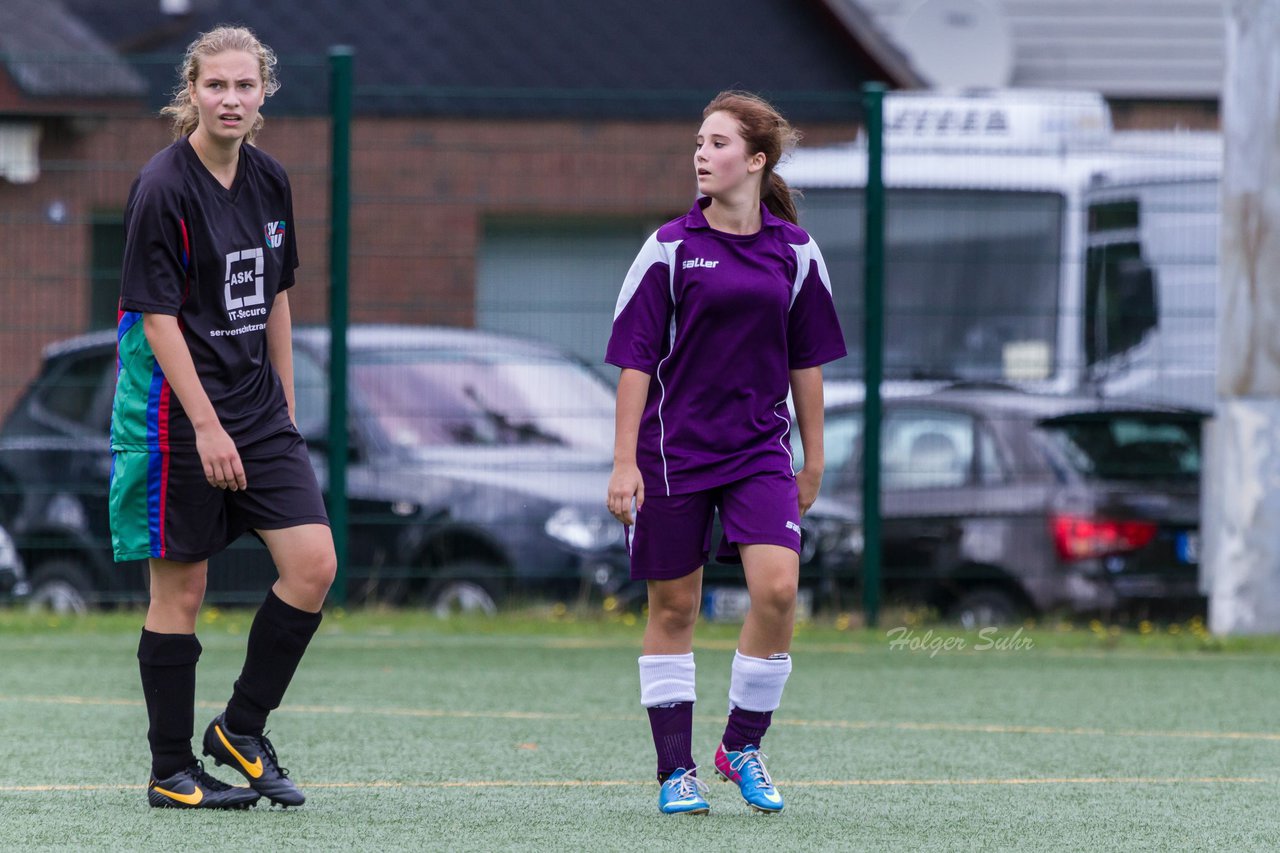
[[526, 733]]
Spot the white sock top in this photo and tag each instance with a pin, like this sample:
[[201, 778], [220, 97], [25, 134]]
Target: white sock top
[[666, 678], [756, 684]]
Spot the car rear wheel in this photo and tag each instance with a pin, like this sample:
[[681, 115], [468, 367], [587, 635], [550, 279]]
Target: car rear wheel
[[60, 586], [984, 608], [464, 588]]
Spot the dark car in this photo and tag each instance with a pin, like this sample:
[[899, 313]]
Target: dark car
[[477, 469], [998, 503]]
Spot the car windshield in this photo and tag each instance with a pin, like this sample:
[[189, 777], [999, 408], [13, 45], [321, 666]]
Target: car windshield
[[1128, 446], [971, 280], [420, 399]]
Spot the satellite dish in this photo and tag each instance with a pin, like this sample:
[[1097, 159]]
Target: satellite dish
[[958, 43]]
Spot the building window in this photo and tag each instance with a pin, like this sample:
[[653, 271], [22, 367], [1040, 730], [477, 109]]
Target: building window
[[105, 262]]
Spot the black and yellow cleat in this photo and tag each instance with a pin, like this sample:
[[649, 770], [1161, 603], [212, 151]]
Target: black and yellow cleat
[[195, 789], [255, 758]]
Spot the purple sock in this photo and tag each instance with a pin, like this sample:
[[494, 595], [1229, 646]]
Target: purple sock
[[745, 728], [672, 726]]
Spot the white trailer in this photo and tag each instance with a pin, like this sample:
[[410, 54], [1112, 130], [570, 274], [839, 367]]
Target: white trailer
[[1027, 242]]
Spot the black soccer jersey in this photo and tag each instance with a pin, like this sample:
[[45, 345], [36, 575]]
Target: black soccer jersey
[[215, 258]]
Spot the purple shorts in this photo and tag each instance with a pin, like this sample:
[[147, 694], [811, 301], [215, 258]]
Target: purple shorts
[[672, 534]]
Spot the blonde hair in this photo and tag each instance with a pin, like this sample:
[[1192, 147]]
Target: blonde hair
[[764, 130], [182, 110]]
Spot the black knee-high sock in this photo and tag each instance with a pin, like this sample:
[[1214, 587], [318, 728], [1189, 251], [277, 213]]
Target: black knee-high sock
[[167, 663], [277, 641]]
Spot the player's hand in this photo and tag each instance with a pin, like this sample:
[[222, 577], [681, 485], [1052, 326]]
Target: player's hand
[[624, 485], [808, 481], [220, 459]]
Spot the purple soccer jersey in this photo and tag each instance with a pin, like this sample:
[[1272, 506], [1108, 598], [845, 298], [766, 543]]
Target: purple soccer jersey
[[718, 320]]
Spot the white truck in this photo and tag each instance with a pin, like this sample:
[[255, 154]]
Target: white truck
[[1029, 243]]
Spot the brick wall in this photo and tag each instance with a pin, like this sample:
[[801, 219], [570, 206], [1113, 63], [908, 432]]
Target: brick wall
[[422, 189]]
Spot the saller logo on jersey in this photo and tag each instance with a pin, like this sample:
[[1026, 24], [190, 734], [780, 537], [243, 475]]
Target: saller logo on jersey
[[699, 262], [275, 234]]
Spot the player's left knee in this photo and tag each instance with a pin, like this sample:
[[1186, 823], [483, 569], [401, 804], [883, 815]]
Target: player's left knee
[[323, 571], [314, 570], [778, 595]]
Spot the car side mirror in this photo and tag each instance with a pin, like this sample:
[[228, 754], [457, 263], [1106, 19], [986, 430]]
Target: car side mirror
[[1136, 295], [1129, 309]]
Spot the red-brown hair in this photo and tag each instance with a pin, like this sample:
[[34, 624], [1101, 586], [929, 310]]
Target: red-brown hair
[[764, 130]]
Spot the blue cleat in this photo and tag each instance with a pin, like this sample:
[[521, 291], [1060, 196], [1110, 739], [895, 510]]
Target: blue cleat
[[683, 793], [746, 769]]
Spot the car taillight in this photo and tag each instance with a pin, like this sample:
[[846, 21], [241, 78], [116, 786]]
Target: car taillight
[[1079, 537]]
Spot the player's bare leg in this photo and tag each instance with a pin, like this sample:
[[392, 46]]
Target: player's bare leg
[[773, 577], [673, 611], [281, 631], [167, 656], [667, 690], [760, 670]]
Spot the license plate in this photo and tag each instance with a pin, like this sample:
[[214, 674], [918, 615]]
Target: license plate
[[1187, 547], [730, 603]]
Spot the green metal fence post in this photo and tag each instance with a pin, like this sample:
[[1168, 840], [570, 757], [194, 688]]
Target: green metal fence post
[[341, 72], [873, 111]]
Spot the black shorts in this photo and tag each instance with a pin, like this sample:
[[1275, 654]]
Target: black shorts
[[162, 506]]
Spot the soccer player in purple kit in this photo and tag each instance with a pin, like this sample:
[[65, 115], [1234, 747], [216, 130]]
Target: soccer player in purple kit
[[724, 311], [204, 446]]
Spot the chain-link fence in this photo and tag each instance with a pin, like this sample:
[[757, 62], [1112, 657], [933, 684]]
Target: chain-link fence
[[1028, 244]]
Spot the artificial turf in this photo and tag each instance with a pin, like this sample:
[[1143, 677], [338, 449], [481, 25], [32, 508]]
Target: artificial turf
[[525, 732]]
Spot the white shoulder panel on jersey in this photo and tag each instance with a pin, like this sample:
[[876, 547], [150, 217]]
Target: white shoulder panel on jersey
[[804, 255], [652, 252]]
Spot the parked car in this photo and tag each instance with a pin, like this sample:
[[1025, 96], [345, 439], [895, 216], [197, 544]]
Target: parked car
[[477, 467], [998, 504]]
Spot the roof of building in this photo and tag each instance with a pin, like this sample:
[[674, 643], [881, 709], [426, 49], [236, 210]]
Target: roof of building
[[50, 53], [1140, 49], [535, 58]]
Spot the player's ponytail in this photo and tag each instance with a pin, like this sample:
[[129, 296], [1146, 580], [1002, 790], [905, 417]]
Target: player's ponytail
[[780, 198], [764, 130], [182, 110]]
